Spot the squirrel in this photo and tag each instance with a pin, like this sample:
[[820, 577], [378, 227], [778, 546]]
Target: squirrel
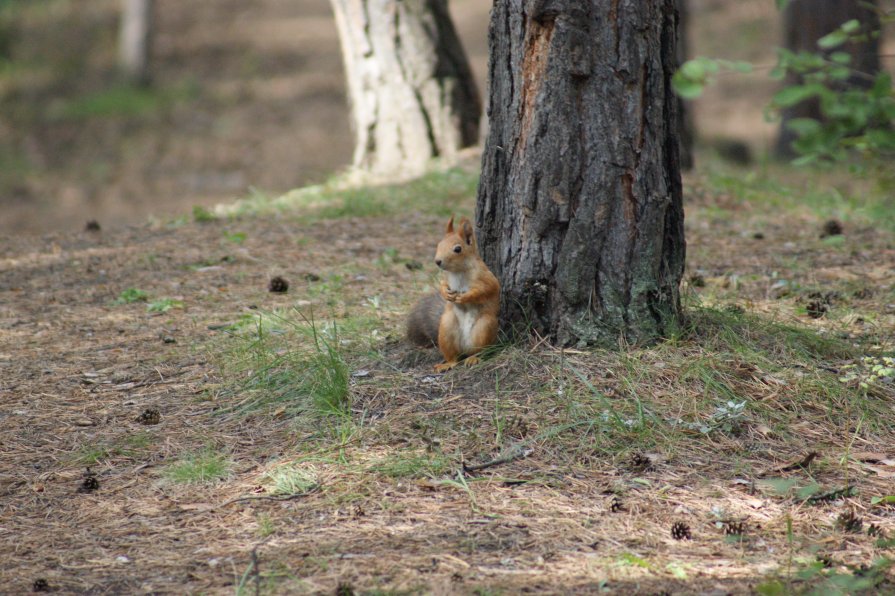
[[461, 318]]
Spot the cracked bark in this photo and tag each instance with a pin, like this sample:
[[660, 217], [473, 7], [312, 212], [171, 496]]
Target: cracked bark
[[579, 209], [410, 87]]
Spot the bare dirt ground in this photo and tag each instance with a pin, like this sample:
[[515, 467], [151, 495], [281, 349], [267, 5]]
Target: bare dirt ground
[[582, 512]]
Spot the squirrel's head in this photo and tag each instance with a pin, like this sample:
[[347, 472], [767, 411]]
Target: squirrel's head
[[457, 246]]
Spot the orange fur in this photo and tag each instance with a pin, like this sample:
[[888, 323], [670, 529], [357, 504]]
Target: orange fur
[[472, 297]]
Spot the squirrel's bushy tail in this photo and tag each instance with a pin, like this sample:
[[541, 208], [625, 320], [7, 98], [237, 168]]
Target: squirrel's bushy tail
[[422, 324]]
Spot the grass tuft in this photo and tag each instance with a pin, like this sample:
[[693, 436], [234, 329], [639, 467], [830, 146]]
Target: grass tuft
[[200, 467], [291, 363]]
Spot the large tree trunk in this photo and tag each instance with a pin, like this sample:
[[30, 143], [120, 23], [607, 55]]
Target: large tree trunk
[[806, 21], [412, 93], [135, 40], [579, 208]]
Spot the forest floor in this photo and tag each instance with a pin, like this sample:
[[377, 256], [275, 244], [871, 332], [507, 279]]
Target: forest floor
[[169, 425]]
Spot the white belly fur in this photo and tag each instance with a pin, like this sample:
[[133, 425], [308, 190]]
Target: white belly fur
[[466, 313], [466, 317]]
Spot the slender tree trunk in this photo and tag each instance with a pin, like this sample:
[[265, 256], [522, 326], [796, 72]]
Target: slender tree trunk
[[135, 40], [686, 126], [411, 90], [806, 21], [579, 208]]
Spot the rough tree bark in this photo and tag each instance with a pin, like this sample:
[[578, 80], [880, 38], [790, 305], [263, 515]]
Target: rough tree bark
[[579, 209], [411, 90], [806, 21], [135, 39]]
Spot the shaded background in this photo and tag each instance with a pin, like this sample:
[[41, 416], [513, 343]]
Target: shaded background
[[248, 97]]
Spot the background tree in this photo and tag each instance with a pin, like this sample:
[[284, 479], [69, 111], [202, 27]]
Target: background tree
[[135, 40], [411, 90], [579, 208], [804, 23], [686, 126]]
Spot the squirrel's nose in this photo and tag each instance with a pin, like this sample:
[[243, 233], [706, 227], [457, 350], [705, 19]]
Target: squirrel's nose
[[438, 262]]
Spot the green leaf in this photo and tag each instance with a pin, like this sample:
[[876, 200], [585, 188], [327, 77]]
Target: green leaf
[[803, 126], [832, 40], [841, 57], [851, 26], [686, 88], [887, 500], [790, 96]]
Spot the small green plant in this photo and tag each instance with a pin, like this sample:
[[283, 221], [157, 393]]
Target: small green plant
[[164, 305], [870, 371], [235, 237], [202, 215], [131, 295], [199, 467], [855, 118], [266, 526]]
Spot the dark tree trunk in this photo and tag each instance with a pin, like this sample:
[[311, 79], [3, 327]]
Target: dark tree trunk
[[135, 40], [686, 127], [579, 207], [411, 90], [806, 21]]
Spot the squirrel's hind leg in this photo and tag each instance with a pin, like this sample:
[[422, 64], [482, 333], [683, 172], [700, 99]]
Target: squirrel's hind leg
[[448, 340]]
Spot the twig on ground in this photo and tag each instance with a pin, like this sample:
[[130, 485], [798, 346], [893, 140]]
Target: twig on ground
[[517, 452]]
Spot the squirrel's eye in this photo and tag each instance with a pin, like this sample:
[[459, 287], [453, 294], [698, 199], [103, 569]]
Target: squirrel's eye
[[457, 249]]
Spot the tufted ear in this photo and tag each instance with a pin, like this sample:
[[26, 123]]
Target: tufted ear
[[450, 226], [466, 231]]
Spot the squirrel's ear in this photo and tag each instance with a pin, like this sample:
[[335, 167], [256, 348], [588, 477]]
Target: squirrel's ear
[[466, 231], [450, 226]]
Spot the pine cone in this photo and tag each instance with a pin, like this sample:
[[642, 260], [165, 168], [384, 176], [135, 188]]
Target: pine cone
[[734, 528], [278, 284], [680, 531], [849, 522], [149, 416], [641, 462], [89, 484], [616, 505]]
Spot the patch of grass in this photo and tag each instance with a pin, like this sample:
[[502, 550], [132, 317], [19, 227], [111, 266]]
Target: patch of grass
[[289, 480], [776, 189], [164, 305], [131, 295], [235, 237], [411, 465], [132, 445], [292, 363], [119, 101], [199, 467], [438, 193], [202, 215]]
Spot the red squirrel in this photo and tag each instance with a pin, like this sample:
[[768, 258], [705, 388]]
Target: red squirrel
[[461, 319]]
